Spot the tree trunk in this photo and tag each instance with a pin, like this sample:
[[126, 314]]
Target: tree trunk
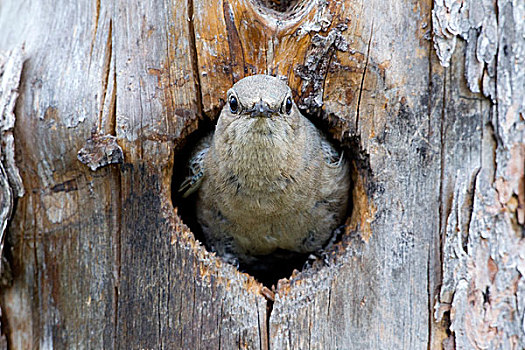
[[97, 256]]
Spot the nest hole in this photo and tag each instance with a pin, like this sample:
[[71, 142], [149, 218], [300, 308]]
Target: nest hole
[[287, 7], [282, 264]]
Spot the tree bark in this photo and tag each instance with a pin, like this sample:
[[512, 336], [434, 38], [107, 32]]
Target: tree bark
[[96, 255]]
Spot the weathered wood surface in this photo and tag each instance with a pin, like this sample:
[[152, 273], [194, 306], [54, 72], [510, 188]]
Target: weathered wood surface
[[483, 211], [10, 182], [100, 259]]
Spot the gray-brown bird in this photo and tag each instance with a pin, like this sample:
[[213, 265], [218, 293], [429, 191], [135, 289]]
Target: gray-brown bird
[[267, 181]]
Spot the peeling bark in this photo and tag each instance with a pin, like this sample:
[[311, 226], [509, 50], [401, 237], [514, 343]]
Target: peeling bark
[[11, 185], [483, 260], [99, 151]]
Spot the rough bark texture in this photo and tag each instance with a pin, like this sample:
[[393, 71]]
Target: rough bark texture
[[483, 220], [11, 185], [434, 250]]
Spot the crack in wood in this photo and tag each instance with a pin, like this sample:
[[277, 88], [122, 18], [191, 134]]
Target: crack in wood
[[234, 42], [218, 325], [429, 298], [467, 208], [66, 186], [141, 129], [95, 30], [431, 292], [37, 325], [193, 307], [442, 220], [269, 309], [310, 329], [363, 77], [181, 302], [105, 75], [170, 98], [442, 170], [117, 237], [159, 320], [113, 103], [118, 254], [263, 328], [195, 59]]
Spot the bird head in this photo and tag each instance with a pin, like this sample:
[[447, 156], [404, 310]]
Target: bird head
[[259, 96]]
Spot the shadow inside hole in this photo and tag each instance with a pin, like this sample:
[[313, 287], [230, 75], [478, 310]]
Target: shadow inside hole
[[283, 6], [186, 206], [281, 264]]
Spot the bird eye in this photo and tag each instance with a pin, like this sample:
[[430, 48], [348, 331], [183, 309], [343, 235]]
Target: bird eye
[[288, 105], [234, 105]]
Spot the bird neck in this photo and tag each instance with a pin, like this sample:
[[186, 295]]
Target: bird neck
[[257, 154]]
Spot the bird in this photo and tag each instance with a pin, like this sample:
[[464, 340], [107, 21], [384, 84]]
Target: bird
[[269, 185]]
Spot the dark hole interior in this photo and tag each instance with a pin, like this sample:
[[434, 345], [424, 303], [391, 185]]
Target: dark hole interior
[[281, 264], [282, 5]]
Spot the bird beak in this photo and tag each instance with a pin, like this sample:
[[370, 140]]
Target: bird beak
[[261, 109]]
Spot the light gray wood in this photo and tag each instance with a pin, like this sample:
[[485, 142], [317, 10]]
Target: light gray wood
[[482, 295], [433, 255], [10, 182], [11, 185]]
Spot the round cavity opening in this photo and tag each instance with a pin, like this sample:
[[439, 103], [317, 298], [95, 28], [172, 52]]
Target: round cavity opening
[[281, 263]]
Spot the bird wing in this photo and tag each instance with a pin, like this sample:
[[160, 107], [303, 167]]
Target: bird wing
[[196, 170], [331, 156]]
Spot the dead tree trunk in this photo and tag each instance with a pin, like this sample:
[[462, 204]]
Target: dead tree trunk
[[428, 97]]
